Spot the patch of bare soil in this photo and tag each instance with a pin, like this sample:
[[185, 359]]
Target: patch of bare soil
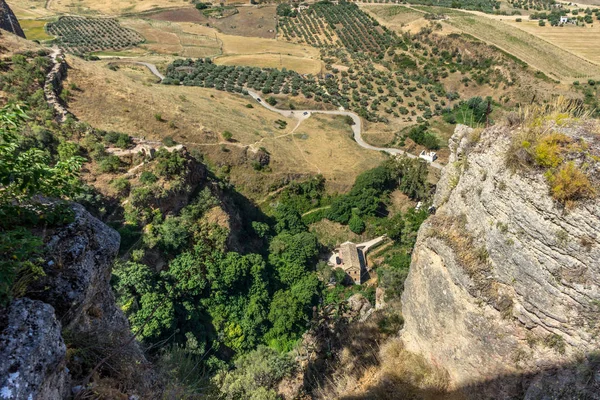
[[249, 21]]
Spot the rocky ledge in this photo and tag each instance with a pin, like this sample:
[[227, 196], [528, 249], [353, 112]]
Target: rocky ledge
[[504, 285], [73, 301]]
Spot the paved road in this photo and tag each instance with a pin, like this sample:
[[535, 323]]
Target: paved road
[[301, 115], [356, 127], [150, 66]]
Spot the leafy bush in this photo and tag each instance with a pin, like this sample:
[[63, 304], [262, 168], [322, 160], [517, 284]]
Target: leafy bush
[[25, 174], [256, 375], [356, 224], [148, 178], [110, 164], [420, 135]]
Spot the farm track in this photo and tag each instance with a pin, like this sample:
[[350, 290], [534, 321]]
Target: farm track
[[301, 115]]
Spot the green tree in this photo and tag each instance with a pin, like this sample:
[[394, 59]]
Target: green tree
[[356, 224], [256, 375]]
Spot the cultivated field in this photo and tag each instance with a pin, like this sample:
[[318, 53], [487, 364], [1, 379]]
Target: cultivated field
[[300, 65], [582, 41], [542, 55], [164, 37], [394, 16]]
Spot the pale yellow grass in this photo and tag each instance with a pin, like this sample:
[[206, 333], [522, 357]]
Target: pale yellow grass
[[582, 41], [298, 64], [112, 100], [236, 45], [325, 145], [110, 7], [29, 8], [394, 16], [188, 39]]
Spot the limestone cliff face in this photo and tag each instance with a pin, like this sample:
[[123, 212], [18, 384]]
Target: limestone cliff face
[[8, 21], [504, 285], [72, 303]]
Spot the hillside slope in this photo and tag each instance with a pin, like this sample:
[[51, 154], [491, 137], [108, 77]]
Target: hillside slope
[[504, 284]]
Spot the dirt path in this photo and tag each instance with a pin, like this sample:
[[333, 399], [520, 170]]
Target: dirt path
[[314, 210]]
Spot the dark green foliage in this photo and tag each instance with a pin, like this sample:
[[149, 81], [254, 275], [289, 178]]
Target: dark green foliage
[[121, 140], [169, 164], [109, 164], [420, 135], [285, 10], [168, 141], [356, 224], [83, 35], [148, 178], [26, 173], [256, 375], [203, 6]]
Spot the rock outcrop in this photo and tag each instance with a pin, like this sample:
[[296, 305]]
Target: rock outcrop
[[8, 21], [504, 286], [72, 303], [32, 353]]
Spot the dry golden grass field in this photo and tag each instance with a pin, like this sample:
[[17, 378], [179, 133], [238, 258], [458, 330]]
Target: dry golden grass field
[[298, 64], [108, 7], [394, 16], [164, 37]]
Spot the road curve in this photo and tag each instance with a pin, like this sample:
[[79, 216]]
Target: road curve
[[304, 114], [150, 66], [356, 127]]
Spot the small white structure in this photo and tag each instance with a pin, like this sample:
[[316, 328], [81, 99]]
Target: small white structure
[[564, 19], [429, 156]]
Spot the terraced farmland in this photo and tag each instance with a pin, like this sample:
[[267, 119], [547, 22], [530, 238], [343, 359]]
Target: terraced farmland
[[84, 35]]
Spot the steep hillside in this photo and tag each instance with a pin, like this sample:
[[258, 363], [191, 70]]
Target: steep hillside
[[503, 289], [8, 21]]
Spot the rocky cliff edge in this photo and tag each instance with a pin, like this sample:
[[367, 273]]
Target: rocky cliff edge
[[504, 285], [72, 306]]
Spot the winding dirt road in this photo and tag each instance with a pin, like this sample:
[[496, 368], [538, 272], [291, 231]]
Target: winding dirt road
[[301, 115]]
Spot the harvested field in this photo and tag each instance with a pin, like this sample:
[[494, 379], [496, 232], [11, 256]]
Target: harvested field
[[249, 21], [394, 16], [110, 7], [540, 54], [300, 65], [164, 37], [188, 39], [31, 9], [582, 41]]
